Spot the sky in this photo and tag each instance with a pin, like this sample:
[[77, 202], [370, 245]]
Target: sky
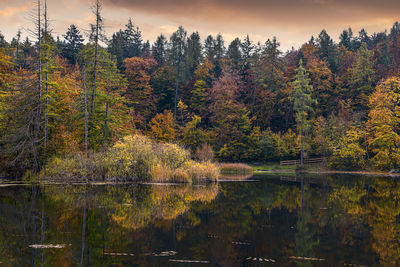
[[293, 22]]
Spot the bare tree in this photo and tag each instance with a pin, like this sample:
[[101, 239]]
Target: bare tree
[[46, 79], [95, 35]]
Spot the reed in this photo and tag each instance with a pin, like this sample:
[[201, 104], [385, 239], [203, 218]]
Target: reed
[[235, 168]]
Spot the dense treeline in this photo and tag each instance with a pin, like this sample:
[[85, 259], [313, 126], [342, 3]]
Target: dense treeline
[[249, 101]]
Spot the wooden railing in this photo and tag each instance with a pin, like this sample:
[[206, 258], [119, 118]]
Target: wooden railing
[[298, 162]]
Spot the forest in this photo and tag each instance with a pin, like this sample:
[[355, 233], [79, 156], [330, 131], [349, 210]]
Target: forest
[[243, 101]]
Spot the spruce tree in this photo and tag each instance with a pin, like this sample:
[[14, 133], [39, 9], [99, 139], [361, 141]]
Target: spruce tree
[[176, 58], [302, 103], [159, 50], [73, 43]]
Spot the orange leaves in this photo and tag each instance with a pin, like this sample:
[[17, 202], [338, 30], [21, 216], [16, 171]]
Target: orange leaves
[[139, 91], [162, 127]]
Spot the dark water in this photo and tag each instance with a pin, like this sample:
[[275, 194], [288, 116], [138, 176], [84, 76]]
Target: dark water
[[274, 221]]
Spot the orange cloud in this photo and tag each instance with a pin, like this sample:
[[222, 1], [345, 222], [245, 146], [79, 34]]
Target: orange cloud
[[9, 12]]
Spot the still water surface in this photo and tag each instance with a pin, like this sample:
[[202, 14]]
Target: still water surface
[[269, 221]]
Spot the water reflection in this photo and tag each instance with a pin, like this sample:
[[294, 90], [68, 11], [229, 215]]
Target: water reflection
[[302, 221]]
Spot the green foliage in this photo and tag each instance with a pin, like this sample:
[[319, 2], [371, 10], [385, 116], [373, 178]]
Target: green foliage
[[193, 135], [349, 153], [384, 124], [242, 101], [277, 146], [302, 103], [363, 78]]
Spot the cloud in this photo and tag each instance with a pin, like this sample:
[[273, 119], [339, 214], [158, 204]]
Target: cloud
[[10, 12], [283, 12], [292, 21]]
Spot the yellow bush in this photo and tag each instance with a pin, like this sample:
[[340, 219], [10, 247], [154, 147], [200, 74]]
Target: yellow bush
[[135, 157]]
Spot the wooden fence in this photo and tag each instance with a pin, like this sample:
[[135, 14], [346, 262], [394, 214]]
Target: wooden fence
[[298, 162]]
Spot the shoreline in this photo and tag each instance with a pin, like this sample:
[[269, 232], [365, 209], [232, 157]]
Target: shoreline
[[293, 171]]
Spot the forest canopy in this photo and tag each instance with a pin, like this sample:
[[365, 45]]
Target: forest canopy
[[245, 101]]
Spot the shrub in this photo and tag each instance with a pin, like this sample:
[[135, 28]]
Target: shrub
[[172, 155], [204, 153], [348, 153], [74, 167], [134, 157], [205, 171]]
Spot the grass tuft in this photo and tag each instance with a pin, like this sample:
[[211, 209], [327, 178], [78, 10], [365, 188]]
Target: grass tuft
[[235, 168]]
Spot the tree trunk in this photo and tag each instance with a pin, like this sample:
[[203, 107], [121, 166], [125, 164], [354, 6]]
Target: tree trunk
[[96, 42], [106, 113], [176, 91], [46, 83], [301, 144], [86, 112], [39, 77]]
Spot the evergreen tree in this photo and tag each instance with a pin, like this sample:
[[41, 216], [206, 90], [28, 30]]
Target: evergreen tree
[[146, 49], [327, 50], [346, 38], [234, 54], [133, 39], [209, 47], [362, 78], [363, 37], [176, 58], [3, 42], [302, 103], [117, 47], [384, 60], [214, 49], [73, 43], [159, 50], [247, 49], [163, 82], [193, 53]]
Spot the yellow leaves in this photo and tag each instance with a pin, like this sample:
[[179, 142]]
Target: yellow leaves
[[164, 202], [162, 127], [204, 71], [383, 124]]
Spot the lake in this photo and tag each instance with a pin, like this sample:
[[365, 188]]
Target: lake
[[270, 220]]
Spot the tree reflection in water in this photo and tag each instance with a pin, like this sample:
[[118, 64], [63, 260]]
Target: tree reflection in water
[[302, 221]]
